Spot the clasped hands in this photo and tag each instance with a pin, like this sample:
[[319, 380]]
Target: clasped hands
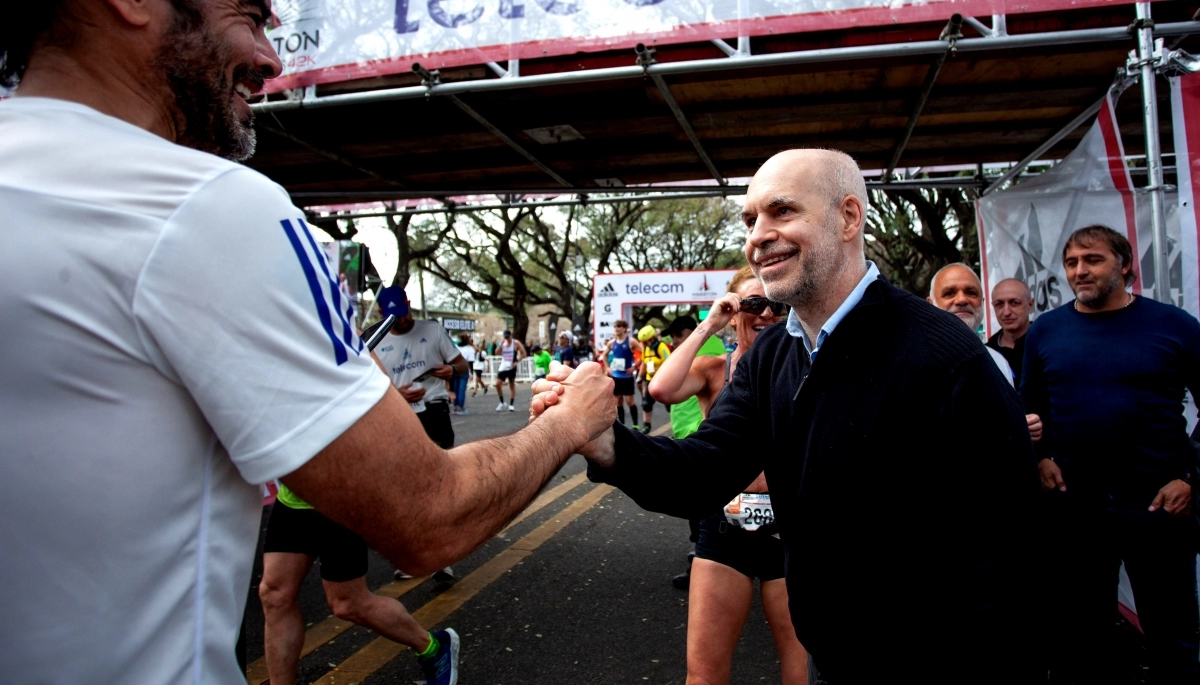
[[586, 393]]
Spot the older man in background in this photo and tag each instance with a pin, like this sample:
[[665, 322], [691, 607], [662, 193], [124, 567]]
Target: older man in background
[[1013, 304]]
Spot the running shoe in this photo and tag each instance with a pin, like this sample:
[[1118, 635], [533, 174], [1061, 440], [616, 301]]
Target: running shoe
[[500, 407], [401, 575], [511, 408], [637, 428], [442, 667], [462, 412], [444, 576], [646, 429]]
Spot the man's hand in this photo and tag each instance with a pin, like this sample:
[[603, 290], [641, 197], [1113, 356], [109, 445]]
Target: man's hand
[[1175, 497], [1052, 475], [443, 371], [411, 395], [1035, 426], [561, 386]]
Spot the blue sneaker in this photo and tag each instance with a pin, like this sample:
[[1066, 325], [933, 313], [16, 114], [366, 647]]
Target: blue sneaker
[[442, 667]]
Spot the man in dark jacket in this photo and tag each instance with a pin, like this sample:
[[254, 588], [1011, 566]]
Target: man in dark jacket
[[900, 466]]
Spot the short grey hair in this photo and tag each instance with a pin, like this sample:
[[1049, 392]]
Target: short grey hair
[[933, 281], [842, 177]]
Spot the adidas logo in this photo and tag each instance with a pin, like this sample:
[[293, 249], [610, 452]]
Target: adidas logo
[[608, 291]]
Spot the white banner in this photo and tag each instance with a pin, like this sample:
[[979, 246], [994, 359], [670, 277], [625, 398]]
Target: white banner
[[323, 41], [1022, 230], [614, 295], [1185, 111]]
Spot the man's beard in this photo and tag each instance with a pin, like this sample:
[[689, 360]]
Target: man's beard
[[1103, 291], [193, 61], [976, 316], [818, 266]]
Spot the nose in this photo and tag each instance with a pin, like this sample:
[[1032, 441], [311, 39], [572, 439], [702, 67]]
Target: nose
[[265, 58]]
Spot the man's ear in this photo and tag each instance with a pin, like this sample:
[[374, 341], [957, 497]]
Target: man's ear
[[136, 12], [855, 216]]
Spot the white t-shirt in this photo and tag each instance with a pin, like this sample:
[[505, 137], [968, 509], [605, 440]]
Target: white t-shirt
[[172, 339], [1003, 365], [409, 356], [467, 352]]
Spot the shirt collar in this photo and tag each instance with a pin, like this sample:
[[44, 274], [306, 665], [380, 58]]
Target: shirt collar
[[797, 331]]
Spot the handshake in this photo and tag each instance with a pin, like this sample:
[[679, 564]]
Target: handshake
[[582, 399]]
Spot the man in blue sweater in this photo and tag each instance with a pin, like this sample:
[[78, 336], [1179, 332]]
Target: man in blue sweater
[[902, 474], [1107, 374]]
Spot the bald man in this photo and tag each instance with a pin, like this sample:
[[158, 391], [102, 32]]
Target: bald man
[[902, 548], [956, 288], [1013, 304]]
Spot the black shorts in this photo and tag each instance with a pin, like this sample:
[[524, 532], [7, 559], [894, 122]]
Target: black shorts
[[755, 554], [436, 422], [343, 554], [510, 375], [623, 386], [478, 373]]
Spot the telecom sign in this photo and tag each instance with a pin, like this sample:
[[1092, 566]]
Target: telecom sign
[[614, 295]]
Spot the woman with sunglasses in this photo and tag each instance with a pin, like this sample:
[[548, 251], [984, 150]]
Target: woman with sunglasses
[[739, 543]]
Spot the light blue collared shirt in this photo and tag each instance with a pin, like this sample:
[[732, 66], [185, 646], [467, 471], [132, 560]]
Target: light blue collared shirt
[[797, 331]]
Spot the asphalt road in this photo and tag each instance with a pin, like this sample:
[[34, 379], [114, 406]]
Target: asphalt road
[[578, 592]]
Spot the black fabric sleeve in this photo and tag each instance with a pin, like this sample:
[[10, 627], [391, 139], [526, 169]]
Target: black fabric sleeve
[[994, 462], [1034, 393], [693, 477]]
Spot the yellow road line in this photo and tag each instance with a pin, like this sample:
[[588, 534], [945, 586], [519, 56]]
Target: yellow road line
[[380, 651], [661, 430], [323, 632], [546, 498]]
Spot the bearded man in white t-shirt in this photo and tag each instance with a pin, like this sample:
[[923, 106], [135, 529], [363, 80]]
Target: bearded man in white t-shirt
[[158, 374]]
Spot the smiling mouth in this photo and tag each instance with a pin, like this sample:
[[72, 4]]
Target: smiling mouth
[[770, 260]]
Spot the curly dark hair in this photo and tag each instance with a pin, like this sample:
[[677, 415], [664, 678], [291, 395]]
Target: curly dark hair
[[23, 25], [28, 21]]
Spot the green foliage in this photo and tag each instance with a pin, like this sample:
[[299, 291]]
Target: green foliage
[[912, 233]]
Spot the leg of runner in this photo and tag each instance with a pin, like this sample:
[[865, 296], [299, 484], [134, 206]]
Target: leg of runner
[[283, 629], [512, 391], [500, 391], [793, 660], [352, 601], [718, 604]]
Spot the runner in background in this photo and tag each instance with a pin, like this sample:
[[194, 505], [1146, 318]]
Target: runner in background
[[511, 353], [541, 362], [478, 367], [654, 353], [565, 353], [686, 417], [618, 352], [739, 544], [467, 349]]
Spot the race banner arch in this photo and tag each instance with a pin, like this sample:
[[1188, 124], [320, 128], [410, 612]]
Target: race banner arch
[[615, 295]]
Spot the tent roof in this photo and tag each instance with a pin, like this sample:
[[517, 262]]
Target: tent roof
[[986, 105]]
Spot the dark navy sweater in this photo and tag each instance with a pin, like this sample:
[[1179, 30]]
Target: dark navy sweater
[[1110, 389]]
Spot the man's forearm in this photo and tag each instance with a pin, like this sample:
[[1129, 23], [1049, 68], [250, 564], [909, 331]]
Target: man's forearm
[[491, 482]]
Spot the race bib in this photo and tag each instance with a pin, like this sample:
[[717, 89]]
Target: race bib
[[418, 406], [750, 510], [505, 366], [618, 364], [649, 366]]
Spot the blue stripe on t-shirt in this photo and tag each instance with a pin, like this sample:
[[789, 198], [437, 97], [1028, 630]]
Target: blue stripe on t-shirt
[[347, 331], [314, 286]]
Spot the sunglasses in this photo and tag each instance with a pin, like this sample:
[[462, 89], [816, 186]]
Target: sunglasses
[[756, 305]]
